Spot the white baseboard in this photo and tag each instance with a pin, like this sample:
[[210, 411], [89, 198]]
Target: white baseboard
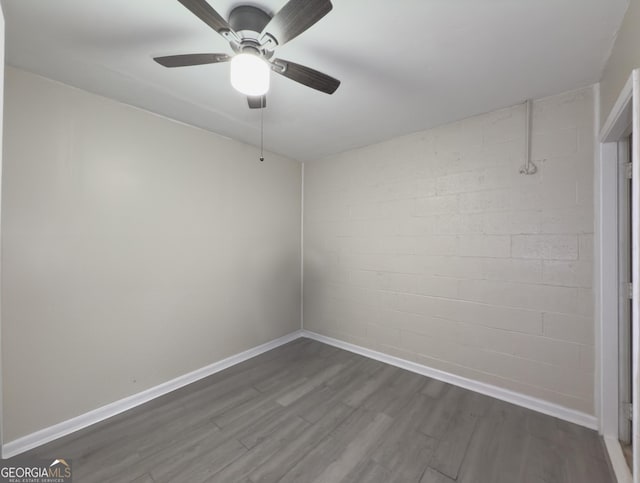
[[619, 464], [519, 399], [25, 443], [43, 436]]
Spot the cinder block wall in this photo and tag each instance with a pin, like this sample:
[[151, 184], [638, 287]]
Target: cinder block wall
[[432, 247]]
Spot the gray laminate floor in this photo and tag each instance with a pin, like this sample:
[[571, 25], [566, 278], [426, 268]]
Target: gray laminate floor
[[308, 412]]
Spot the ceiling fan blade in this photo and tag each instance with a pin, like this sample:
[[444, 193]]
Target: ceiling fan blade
[[206, 13], [306, 75], [256, 101], [293, 19], [191, 59]]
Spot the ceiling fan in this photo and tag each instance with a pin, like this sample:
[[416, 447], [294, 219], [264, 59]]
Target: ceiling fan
[[254, 35]]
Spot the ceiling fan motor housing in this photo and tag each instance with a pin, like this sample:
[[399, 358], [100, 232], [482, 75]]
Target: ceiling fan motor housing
[[247, 18], [248, 21]]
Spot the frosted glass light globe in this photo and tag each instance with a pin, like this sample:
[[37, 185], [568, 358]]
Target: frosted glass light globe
[[250, 74]]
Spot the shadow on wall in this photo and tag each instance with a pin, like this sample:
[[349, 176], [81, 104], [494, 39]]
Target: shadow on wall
[[269, 280], [319, 303]]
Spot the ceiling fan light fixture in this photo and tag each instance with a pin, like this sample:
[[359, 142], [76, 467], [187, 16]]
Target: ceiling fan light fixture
[[250, 74], [254, 35]]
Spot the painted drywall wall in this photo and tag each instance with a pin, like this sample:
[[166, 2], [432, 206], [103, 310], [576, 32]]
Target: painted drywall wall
[[433, 248], [135, 249], [625, 56]]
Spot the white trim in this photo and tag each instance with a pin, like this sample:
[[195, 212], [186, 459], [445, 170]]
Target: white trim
[[620, 116], [635, 275], [2, 59], [597, 380], [302, 248], [519, 399], [624, 277], [64, 428], [616, 457], [606, 286], [69, 426]]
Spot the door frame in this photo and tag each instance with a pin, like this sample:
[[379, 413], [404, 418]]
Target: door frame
[[621, 121], [624, 276], [2, 43]]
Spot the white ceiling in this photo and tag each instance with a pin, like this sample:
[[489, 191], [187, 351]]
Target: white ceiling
[[405, 65]]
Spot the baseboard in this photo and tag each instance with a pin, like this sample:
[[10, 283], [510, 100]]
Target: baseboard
[[43, 436], [33, 440], [513, 397], [618, 463]]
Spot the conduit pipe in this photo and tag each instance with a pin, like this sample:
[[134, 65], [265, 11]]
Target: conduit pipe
[[529, 167]]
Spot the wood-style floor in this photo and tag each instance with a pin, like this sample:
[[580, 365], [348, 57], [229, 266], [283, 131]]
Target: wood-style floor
[[308, 412]]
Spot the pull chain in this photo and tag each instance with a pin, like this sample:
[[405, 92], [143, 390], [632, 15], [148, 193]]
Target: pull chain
[[262, 128]]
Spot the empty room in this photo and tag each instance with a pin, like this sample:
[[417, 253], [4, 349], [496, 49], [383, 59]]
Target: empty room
[[320, 241]]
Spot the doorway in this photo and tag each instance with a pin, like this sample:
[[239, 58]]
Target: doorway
[[617, 298]]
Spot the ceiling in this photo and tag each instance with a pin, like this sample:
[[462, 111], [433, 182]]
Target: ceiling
[[405, 66]]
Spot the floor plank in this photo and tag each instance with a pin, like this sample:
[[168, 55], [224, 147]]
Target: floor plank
[[241, 468], [146, 478], [284, 460], [498, 446], [356, 450], [432, 476], [452, 446], [370, 472]]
